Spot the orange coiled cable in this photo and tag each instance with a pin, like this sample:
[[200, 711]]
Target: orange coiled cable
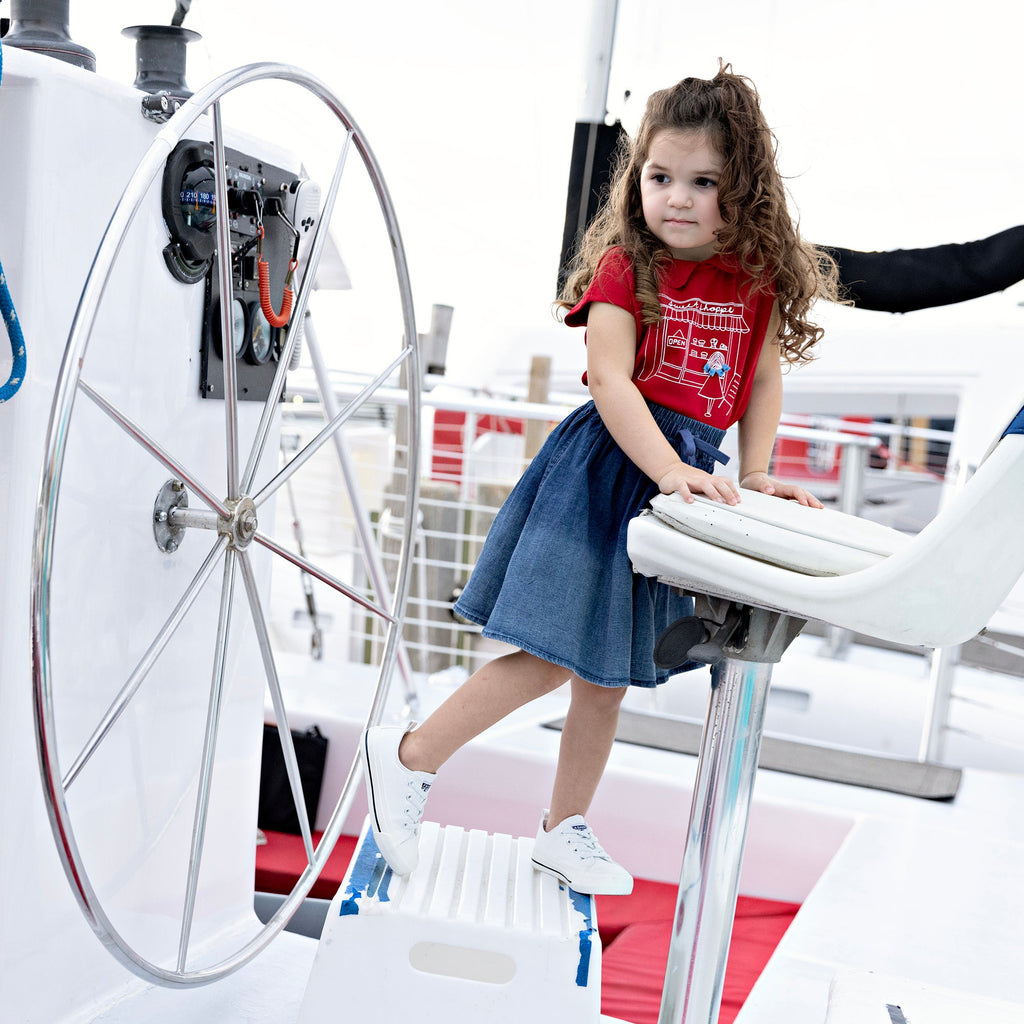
[[273, 318]]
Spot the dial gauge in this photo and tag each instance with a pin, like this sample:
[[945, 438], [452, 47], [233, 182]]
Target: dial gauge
[[238, 318], [239, 321], [261, 337]]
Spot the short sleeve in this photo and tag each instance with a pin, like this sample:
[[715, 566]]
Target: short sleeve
[[613, 282]]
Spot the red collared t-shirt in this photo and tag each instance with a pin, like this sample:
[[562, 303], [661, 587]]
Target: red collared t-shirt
[[700, 359]]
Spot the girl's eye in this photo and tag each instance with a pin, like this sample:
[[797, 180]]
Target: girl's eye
[[705, 183], [659, 177]]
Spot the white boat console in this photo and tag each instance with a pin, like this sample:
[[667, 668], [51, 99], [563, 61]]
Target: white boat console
[[137, 684]]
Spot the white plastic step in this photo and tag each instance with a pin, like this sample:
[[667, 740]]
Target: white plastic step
[[474, 934]]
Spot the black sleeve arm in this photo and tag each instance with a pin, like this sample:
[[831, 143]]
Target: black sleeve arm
[[902, 280]]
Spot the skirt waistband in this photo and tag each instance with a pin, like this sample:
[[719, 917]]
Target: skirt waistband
[[695, 441], [689, 446]]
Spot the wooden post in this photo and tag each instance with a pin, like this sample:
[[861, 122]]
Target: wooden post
[[918, 455], [434, 345], [540, 382]]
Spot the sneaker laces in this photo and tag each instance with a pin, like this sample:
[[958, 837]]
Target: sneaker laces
[[415, 801], [584, 841]]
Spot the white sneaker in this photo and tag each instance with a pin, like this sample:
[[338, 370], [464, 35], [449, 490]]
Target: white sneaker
[[396, 795], [571, 852]]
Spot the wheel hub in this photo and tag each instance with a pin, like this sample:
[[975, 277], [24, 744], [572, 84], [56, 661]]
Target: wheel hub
[[243, 524], [172, 517]]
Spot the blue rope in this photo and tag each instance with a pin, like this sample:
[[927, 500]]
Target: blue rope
[[11, 321]]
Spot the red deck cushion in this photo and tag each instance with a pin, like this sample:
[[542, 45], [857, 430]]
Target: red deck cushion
[[649, 901], [633, 964], [281, 860]]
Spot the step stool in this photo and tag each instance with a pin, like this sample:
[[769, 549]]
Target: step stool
[[474, 934]]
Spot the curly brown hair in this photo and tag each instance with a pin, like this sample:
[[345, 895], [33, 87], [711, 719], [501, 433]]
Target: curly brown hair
[[759, 231]]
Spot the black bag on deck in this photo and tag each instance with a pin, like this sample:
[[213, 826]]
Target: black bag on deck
[[276, 808]]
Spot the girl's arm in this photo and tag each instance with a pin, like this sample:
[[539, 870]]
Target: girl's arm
[[759, 423], [611, 353]]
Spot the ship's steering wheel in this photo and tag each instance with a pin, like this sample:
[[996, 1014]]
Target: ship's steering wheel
[[87, 726]]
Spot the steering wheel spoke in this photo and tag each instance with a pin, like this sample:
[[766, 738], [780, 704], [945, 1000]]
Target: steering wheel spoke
[[134, 431], [226, 331], [141, 670], [337, 421], [291, 762], [325, 577], [299, 313], [213, 717]]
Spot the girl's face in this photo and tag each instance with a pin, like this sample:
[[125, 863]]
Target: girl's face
[[679, 192]]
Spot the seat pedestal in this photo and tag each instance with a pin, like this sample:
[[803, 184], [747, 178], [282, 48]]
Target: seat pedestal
[[717, 831]]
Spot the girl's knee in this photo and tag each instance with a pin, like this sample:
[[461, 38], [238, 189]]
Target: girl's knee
[[609, 697], [546, 675]]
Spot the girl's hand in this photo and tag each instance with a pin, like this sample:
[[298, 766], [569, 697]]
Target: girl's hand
[[688, 480], [766, 485]]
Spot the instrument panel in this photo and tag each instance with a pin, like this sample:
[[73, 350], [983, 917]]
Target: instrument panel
[[272, 214]]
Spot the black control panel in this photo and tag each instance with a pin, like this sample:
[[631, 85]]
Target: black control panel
[[272, 215]]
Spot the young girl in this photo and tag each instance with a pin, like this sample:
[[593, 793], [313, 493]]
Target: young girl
[[693, 284]]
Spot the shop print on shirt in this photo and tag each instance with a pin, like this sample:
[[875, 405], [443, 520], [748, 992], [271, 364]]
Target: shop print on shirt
[[696, 345], [711, 320], [713, 388]]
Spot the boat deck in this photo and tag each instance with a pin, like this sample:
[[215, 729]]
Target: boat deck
[[917, 889]]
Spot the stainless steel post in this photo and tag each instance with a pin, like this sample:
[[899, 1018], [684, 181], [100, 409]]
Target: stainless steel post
[[943, 663], [852, 471], [714, 845]]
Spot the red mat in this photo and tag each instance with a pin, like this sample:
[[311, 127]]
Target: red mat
[[635, 930], [281, 860]]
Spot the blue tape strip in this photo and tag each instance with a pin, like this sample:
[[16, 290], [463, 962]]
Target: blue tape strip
[[585, 905], [370, 876]]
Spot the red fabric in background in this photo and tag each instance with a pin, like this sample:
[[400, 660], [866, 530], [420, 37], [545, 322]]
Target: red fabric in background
[[450, 442], [649, 901], [281, 860], [635, 930]]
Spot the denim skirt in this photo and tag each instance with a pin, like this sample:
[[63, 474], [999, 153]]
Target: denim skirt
[[554, 577]]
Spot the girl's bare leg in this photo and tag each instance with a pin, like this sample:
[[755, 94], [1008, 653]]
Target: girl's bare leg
[[587, 738], [492, 692]]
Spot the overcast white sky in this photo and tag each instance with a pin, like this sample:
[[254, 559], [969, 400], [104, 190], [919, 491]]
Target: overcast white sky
[[899, 122]]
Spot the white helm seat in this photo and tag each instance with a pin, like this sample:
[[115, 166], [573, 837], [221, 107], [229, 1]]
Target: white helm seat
[[938, 588]]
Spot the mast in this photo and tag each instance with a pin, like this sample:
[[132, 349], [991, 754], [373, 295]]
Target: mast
[[594, 142]]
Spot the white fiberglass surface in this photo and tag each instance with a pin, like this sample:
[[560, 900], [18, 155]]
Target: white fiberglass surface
[[112, 589], [152, 659]]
